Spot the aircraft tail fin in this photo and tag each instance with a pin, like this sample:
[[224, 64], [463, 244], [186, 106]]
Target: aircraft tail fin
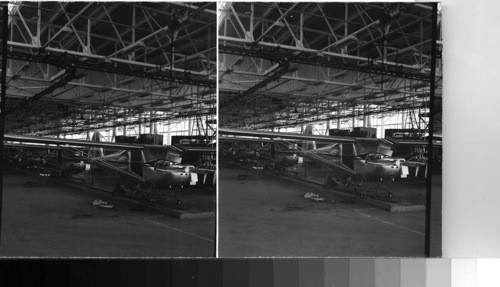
[[309, 145], [95, 151]]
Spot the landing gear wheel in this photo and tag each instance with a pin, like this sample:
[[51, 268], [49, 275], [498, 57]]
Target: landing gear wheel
[[389, 195]]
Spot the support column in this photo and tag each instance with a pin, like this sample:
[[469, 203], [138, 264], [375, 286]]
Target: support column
[[430, 151], [5, 35], [125, 126], [190, 127], [353, 118], [403, 119], [113, 138], [140, 124], [151, 123], [156, 128]]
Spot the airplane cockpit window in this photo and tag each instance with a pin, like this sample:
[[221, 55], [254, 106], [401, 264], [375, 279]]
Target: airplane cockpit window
[[373, 157], [162, 164]]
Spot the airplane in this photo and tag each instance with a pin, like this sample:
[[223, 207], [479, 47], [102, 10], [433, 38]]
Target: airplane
[[53, 161], [414, 150], [247, 152], [147, 171], [351, 161]]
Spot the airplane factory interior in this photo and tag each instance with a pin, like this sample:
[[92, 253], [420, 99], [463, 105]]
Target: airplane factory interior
[[108, 129], [230, 129], [329, 129]]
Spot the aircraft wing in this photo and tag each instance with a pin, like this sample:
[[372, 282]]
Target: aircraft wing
[[200, 170], [245, 139], [79, 143], [195, 148], [412, 163], [56, 141], [275, 135], [413, 142], [22, 145]]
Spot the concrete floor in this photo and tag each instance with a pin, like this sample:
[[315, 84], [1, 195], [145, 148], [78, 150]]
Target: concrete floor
[[269, 217], [197, 199], [59, 221]]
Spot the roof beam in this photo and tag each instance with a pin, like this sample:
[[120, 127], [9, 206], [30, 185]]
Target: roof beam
[[67, 24]]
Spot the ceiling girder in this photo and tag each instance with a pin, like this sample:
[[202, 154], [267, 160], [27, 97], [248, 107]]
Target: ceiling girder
[[321, 61], [68, 75], [276, 74], [103, 67]]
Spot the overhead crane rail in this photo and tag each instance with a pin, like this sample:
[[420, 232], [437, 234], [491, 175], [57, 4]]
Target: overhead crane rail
[[276, 74], [65, 60], [272, 54], [65, 78]]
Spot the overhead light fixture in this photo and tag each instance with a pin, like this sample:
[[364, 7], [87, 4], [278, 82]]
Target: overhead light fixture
[[271, 69], [419, 85], [342, 42], [194, 58], [404, 52], [58, 75], [425, 70], [135, 46], [424, 95], [345, 41], [279, 24]]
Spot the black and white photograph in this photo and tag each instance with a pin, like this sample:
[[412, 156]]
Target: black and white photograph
[[330, 130], [249, 143], [108, 129]]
